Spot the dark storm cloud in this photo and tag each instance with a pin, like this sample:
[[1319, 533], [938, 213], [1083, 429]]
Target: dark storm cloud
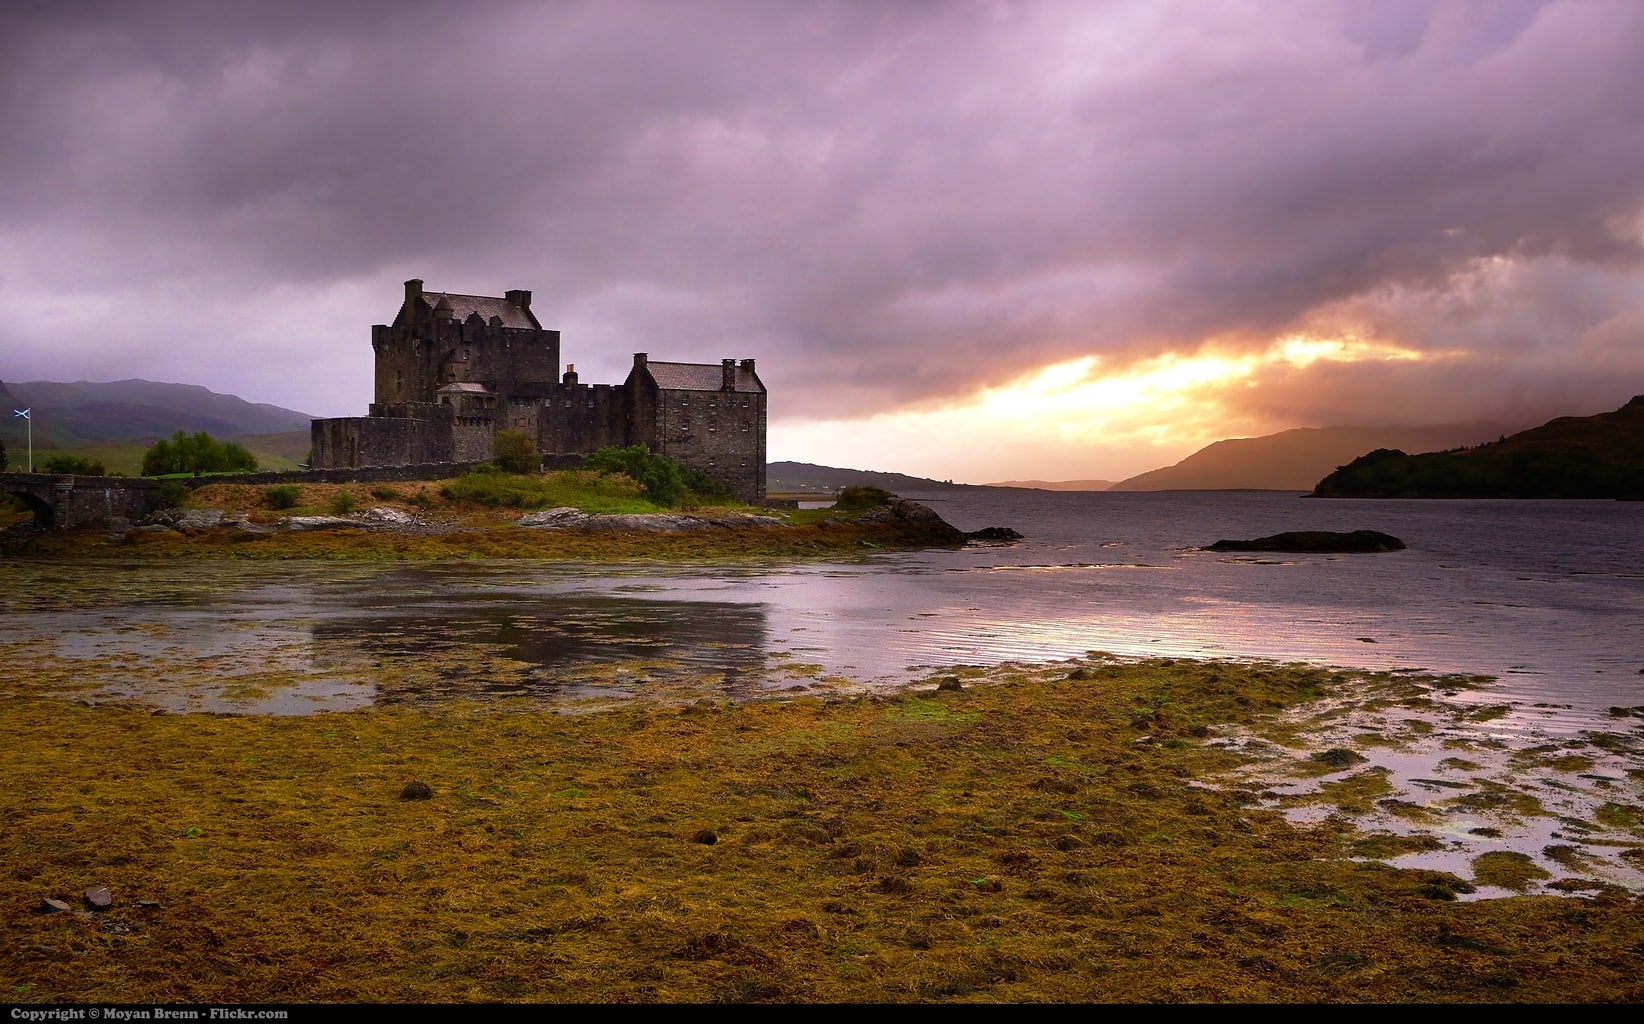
[[888, 204]]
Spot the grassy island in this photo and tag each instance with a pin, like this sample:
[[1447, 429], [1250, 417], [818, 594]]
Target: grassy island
[[478, 515]]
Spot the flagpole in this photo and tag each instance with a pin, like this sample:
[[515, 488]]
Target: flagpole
[[24, 413]]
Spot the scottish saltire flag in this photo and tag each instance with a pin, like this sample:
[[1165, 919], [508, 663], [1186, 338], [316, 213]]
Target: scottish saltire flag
[[21, 412]]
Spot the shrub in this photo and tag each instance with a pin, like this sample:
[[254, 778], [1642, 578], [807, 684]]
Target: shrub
[[75, 464], [197, 453], [515, 452], [283, 496], [422, 499], [343, 502], [705, 487], [385, 493], [173, 493], [2, 455], [658, 475], [856, 499]]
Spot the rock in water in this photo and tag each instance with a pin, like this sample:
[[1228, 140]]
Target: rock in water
[[1315, 542]]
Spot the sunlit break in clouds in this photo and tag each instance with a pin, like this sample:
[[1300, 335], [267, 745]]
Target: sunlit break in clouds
[[1077, 416], [978, 240]]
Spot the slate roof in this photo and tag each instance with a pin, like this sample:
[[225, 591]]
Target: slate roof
[[700, 377], [465, 388], [486, 306]]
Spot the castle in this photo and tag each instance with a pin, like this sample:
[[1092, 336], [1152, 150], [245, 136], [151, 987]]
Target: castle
[[452, 370]]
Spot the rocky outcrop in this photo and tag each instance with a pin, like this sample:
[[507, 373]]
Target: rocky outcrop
[[1315, 542], [654, 522]]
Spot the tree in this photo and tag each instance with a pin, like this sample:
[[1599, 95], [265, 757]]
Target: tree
[[197, 453], [515, 452], [75, 464], [657, 474], [2, 456]]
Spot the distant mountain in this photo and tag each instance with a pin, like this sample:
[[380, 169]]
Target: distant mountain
[[1571, 457], [85, 413], [1295, 460], [805, 476], [1056, 485]]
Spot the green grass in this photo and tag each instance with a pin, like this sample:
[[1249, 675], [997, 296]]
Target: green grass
[[587, 491]]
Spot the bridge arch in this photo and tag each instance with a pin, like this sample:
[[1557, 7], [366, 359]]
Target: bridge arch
[[45, 514]]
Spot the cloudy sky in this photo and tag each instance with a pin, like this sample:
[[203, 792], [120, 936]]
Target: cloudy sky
[[970, 240]]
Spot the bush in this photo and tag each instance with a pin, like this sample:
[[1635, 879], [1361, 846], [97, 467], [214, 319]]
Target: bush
[[385, 493], [706, 487], [515, 452], [343, 502], [283, 496], [658, 475], [197, 453], [75, 464], [857, 499], [2, 456], [173, 493]]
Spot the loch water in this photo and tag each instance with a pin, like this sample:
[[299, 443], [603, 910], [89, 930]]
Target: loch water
[[1547, 596]]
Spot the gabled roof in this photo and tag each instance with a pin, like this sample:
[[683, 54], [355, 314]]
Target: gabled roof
[[486, 306], [701, 377], [465, 388]]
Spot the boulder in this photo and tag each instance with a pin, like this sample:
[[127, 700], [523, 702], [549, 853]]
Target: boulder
[[298, 524], [555, 517], [187, 518], [389, 517]]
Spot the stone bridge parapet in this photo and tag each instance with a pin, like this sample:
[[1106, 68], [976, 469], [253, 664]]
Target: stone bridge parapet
[[64, 501]]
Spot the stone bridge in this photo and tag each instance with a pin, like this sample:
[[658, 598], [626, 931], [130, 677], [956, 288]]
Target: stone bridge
[[61, 501]]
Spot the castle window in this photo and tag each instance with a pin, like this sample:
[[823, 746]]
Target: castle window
[[567, 403]]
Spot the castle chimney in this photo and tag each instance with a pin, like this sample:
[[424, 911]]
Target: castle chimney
[[727, 375], [413, 293], [519, 297], [570, 373], [639, 360], [748, 364]]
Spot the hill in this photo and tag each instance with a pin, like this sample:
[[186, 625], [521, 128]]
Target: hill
[[1570, 457], [1295, 460], [805, 476], [1056, 485], [69, 415], [115, 422]]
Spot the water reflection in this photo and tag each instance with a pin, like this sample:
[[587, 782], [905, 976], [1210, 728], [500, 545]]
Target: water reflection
[[555, 646]]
